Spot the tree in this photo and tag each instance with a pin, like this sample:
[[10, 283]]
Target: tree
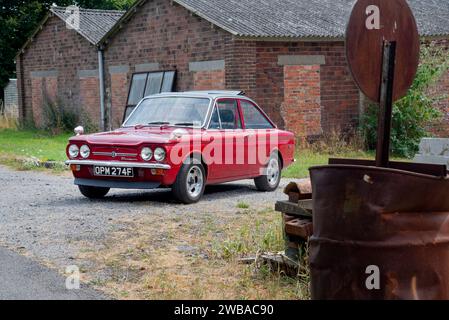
[[18, 20]]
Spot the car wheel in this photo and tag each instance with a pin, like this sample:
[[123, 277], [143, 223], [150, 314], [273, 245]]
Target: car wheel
[[93, 192], [190, 183], [272, 177]]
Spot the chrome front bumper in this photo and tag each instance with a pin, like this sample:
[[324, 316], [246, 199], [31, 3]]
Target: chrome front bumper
[[119, 164]]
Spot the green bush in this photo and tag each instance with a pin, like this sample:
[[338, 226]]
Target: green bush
[[413, 114]]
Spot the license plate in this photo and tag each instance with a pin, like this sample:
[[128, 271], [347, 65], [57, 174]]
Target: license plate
[[114, 172]]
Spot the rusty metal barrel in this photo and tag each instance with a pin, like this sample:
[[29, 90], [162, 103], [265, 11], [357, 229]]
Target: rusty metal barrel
[[396, 221]]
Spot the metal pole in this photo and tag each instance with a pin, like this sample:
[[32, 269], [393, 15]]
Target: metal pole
[[386, 104]]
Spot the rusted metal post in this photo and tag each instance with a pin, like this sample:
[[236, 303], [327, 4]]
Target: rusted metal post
[[386, 104]]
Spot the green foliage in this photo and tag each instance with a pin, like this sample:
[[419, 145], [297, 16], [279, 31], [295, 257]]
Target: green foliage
[[415, 112], [59, 118], [19, 19]]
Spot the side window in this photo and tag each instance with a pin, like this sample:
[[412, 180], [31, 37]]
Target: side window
[[254, 119], [229, 114], [215, 121]]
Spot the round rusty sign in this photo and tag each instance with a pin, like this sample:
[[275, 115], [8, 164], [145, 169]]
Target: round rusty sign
[[372, 22]]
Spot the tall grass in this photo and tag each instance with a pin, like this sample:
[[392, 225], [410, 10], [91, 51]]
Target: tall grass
[[333, 144], [8, 123]]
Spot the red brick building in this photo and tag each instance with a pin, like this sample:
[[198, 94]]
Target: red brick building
[[61, 65], [286, 54]]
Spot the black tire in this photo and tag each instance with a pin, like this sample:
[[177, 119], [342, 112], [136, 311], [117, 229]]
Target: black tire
[[93, 192], [181, 190], [269, 182]]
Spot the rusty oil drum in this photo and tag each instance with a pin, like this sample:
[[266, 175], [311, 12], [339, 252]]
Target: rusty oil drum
[[395, 220]]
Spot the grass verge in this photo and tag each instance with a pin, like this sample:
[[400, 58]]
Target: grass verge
[[307, 158], [24, 149]]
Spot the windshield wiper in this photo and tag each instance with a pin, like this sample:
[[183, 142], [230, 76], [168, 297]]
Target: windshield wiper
[[159, 123], [187, 124]]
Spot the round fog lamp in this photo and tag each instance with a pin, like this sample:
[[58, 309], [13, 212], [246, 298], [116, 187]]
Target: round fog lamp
[[146, 154], [159, 154], [85, 152], [74, 151]]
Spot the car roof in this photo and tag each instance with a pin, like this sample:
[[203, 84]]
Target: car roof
[[207, 94]]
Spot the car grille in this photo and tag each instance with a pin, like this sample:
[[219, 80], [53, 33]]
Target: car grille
[[108, 153]]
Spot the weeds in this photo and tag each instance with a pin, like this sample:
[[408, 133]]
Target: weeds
[[251, 238], [337, 142], [242, 205], [213, 271], [8, 123]]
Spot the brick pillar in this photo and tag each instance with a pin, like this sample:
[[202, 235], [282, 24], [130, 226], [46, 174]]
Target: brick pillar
[[301, 109], [241, 66]]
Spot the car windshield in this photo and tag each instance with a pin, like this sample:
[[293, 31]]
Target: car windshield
[[172, 111]]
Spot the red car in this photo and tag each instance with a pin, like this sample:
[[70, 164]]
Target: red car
[[184, 141]]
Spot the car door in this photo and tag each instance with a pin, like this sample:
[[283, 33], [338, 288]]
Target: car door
[[227, 143], [260, 136]]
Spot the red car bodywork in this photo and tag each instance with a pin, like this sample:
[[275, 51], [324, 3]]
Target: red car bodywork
[[125, 144]]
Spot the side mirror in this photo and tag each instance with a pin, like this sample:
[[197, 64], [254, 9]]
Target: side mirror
[[79, 130]]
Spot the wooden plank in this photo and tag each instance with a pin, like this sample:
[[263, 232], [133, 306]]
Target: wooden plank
[[300, 210]]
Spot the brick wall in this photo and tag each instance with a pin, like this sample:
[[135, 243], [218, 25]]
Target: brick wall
[[44, 89], [241, 66], [441, 89], [54, 49], [302, 100], [119, 94], [90, 94], [209, 80], [338, 92], [164, 36]]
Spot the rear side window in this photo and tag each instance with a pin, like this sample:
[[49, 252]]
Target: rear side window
[[254, 119]]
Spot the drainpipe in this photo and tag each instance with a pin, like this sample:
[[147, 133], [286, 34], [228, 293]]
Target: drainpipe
[[102, 88]]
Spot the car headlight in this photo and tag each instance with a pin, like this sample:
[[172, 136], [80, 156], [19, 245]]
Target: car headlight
[[85, 152], [159, 154], [146, 154], [74, 151]]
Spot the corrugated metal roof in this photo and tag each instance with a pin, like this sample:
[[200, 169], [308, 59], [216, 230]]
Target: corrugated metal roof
[[94, 24], [304, 18]]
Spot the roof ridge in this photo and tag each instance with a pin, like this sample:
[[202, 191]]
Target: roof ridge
[[90, 10]]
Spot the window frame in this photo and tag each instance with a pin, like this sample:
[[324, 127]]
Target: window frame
[[215, 107], [263, 113], [145, 88], [203, 125]]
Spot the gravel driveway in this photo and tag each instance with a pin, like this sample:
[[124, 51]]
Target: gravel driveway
[[45, 217]]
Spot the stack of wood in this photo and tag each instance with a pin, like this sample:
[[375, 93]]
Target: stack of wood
[[297, 217]]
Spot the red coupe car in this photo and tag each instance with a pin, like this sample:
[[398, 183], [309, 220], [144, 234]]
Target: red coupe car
[[184, 141]]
